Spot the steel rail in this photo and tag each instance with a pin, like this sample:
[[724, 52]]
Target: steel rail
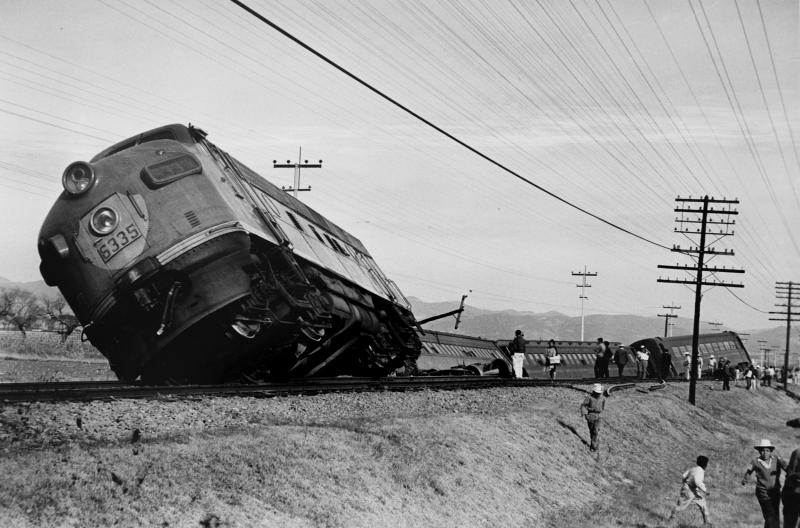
[[83, 391]]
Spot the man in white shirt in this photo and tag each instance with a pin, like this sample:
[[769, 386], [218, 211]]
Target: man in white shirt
[[693, 490], [517, 349], [642, 358]]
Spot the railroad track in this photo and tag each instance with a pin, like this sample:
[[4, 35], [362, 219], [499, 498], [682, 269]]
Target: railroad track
[[99, 390]]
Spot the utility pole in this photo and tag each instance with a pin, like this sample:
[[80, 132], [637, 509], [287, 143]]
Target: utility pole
[[296, 166], [583, 285], [763, 349], [668, 316], [788, 291], [697, 211]]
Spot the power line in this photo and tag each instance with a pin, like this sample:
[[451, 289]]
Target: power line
[[436, 127]]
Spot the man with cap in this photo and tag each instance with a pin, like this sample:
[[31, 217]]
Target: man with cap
[[621, 359], [768, 488], [727, 374], [517, 349], [591, 408], [643, 358], [687, 365]]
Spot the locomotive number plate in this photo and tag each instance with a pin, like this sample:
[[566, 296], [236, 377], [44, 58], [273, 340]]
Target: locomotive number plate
[[113, 244]]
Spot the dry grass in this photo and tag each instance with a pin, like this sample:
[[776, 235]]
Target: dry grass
[[37, 344], [442, 460]]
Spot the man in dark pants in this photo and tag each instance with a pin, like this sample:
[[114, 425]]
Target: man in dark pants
[[599, 351], [726, 375], [591, 408], [621, 359], [768, 487], [791, 491], [668, 369], [607, 357]]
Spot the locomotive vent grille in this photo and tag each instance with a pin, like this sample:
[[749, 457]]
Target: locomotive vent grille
[[191, 216]]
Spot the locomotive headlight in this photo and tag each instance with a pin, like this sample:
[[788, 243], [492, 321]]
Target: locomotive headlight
[[78, 178], [104, 221]]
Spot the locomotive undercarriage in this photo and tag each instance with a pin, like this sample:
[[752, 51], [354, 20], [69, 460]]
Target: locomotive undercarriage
[[251, 311], [303, 321]]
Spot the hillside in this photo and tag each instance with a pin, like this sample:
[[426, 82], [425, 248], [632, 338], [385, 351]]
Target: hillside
[[36, 287], [502, 457]]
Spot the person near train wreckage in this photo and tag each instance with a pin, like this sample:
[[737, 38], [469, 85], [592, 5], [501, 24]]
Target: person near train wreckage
[[687, 365], [552, 358], [608, 356], [517, 349], [598, 358], [592, 406], [727, 374], [767, 468], [621, 359], [667, 368], [693, 491], [642, 359]]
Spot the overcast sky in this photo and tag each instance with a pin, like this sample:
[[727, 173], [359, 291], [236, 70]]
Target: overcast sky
[[615, 106]]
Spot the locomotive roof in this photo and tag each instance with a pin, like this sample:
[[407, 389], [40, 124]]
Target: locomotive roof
[[183, 134], [447, 338], [296, 205]]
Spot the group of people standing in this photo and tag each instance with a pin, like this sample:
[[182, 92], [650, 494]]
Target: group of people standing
[[621, 357]]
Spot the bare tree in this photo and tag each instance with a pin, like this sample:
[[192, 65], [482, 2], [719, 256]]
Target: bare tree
[[57, 310], [19, 308]]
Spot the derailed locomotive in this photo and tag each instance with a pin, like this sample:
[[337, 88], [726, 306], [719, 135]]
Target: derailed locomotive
[[184, 265]]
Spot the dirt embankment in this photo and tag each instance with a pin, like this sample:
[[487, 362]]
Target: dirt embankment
[[501, 457]]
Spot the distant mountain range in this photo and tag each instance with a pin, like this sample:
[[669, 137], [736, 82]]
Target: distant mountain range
[[37, 287], [549, 325], [555, 325]]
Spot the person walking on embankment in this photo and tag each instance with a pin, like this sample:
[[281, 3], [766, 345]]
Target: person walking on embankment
[[592, 406], [693, 491]]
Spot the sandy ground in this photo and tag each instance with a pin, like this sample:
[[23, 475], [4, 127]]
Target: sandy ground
[[498, 457]]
